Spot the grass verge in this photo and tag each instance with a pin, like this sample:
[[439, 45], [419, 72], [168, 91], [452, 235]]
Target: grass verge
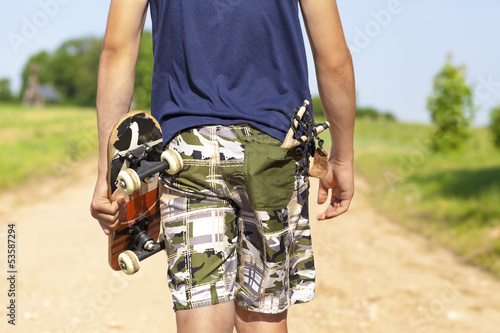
[[451, 198], [40, 142]]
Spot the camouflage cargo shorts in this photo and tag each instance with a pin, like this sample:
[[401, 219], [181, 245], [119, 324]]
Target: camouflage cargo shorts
[[236, 223]]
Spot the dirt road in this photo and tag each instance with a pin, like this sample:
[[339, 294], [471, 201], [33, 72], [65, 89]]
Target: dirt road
[[373, 276]]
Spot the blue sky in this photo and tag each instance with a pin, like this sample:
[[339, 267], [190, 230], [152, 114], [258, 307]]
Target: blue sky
[[397, 45]]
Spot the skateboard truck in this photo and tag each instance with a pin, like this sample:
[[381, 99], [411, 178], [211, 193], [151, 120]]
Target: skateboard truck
[[141, 169], [141, 242]]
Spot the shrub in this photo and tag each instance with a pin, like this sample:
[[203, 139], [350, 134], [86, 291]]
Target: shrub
[[495, 126], [452, 109]]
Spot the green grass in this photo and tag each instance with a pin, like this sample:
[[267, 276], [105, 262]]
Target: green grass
[[47, 141], [451, 198]]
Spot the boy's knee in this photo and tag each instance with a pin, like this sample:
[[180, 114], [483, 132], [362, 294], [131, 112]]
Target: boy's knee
[[207, 319], [249, 321]]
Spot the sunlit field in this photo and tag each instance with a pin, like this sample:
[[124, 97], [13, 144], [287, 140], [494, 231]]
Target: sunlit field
[[47, 141], [452, 198]]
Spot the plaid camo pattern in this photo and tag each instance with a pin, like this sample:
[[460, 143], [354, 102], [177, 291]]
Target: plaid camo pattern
[[219, 248]]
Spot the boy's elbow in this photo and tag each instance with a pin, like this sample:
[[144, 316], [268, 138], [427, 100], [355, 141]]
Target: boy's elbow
[[113, 48], [112, 52], [120, 45], [339, 61]]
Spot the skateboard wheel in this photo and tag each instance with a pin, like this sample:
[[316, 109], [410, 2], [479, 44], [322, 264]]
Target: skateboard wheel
[[128, 261], [174, 161], [129, 181]]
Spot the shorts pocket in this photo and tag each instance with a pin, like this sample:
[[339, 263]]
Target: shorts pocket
[[269, 175]]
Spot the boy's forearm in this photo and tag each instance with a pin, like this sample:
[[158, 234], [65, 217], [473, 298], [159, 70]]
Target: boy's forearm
[[338, 98], [334, 72], [115, 88]]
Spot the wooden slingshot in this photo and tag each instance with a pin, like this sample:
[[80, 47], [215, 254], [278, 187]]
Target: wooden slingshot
[[319, 166]]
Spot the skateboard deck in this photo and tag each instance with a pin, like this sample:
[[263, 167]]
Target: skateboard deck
[[135, 158]]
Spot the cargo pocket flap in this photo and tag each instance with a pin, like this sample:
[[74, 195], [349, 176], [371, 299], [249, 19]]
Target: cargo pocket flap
[[277, 153], [269, 174]]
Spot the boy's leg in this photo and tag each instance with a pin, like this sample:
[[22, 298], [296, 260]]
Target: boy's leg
[[222, 318], [249, 322], [215, 318]]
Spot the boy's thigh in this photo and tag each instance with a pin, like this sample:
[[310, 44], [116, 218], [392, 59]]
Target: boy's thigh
[[200, 241]]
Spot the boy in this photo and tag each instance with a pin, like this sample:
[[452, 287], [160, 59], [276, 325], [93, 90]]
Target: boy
[[227, 76]]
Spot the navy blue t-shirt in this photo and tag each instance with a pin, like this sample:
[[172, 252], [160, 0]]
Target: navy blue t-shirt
[[227, 62]]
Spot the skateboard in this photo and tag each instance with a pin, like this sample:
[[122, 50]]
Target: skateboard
[[135, 159]]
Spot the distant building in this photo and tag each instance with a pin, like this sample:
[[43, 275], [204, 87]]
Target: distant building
[[37, 94], [49, 94]]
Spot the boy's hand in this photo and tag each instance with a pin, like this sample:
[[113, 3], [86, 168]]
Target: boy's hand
[[340, 180], [107, 213]]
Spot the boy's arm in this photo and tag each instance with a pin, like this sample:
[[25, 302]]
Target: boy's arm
[[115, 87], [335, 76]]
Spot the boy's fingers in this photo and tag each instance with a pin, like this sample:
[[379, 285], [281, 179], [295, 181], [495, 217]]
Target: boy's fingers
[[109, 214], [322, 194], [335, 208]]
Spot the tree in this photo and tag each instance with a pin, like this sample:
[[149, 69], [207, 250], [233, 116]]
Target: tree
[[144, 73], [495, 126], [452, 108], [373, 114], [72, 70], [5, 92]]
